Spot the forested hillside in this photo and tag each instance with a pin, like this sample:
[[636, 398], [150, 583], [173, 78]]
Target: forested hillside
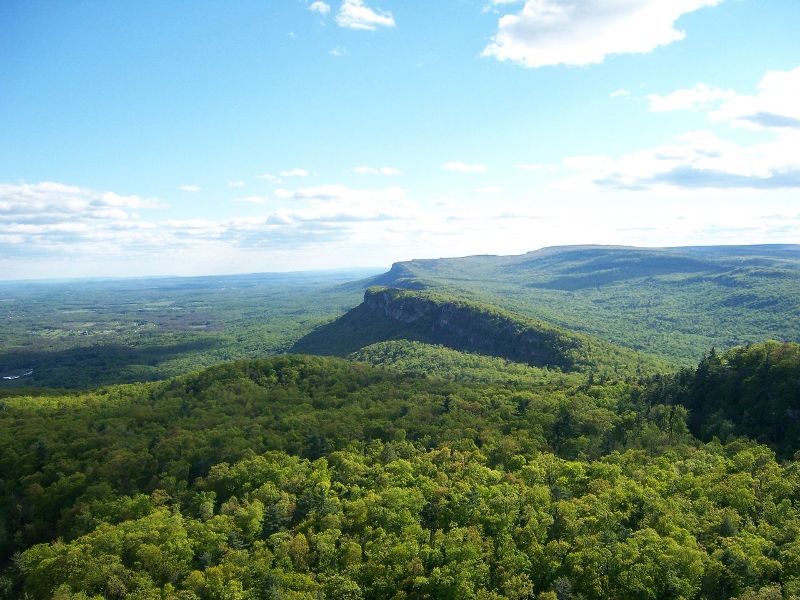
[[392, 314], [455, 450], [753, 391], [308, 477], [673, 303]]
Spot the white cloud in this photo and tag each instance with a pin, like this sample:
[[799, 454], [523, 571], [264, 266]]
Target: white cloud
[[328, 193], [698, 160], [353, 14], [464, 167], [775, 106], [582, 32], [283, 193], [529, 167], [701, 159], [698, 97], [374, 171], [320, 7], [339, 51], [56, 201], [191, 188], [619, 93], [53, 217], [294, 173], [448, 203], [235, 183], [55, 230], [266, 176], [492, 189], [390, 171]]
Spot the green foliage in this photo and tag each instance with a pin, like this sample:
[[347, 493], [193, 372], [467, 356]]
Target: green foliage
[[393, 314], [309, 477], [752, 390], [673, 303]]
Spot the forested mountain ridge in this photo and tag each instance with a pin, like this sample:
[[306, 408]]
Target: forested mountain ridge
[[674, 303], [394, 314], [306, 477], [752, 391]]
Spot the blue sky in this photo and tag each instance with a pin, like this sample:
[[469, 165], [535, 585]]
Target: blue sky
[[186, 138]]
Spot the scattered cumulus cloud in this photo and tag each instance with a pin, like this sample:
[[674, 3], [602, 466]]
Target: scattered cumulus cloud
[[236, 184], [320, 7], [492, 189], [294, 173], [696, 160], [266, 176], [328, 193], [339, 51], [283, 193], [51, 229], [697, 98], [774, 107], [353, 14], [448, 203], [191, 188], [619, 93], [464, 167], [42, 216], [703, 160], [374, 171], [582, 32]]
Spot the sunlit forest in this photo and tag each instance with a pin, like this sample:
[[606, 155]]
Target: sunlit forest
[[444, 449]]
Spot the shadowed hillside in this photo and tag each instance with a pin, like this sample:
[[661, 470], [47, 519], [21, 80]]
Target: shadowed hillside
[[674, 303], [392, 314]]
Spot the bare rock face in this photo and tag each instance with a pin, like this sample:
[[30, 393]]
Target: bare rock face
[[469, 326], [407, 309], [389, 314]]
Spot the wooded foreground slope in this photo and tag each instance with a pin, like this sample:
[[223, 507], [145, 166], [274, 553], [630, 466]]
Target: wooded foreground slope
[[307, 477]]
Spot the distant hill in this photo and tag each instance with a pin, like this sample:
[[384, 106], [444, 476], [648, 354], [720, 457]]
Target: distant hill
[[393, 314], [674, 303]]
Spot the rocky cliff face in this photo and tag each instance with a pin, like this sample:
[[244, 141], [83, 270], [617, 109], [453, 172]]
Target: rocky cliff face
[[401, 314], [405, 308], [472, 327]]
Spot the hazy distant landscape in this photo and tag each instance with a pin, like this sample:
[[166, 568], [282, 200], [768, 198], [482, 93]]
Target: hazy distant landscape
[[672, 304]]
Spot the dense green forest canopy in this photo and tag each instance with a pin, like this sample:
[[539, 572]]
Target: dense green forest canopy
[[484, 434], [307, 477], [673, 303]]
